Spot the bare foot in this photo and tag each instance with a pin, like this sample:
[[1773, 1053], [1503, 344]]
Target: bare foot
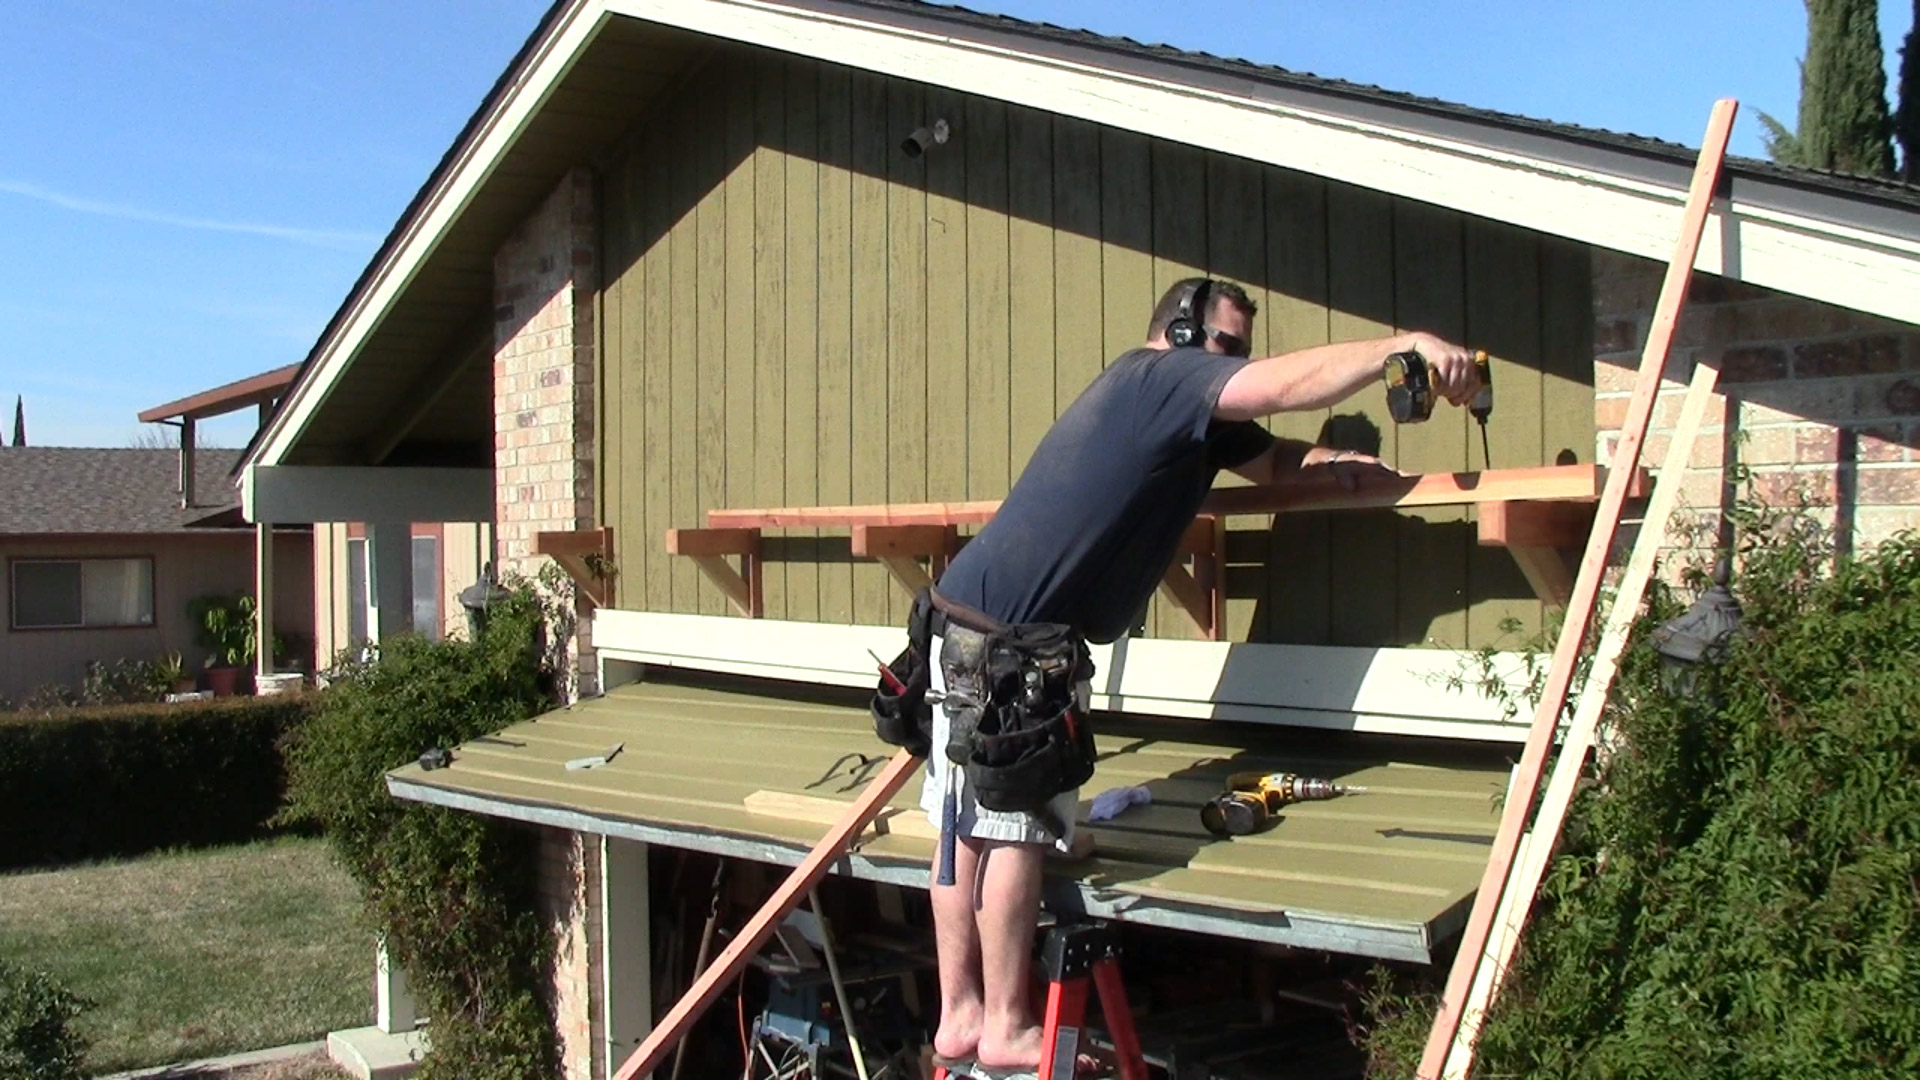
[[1012, 1049], [959, 1035]]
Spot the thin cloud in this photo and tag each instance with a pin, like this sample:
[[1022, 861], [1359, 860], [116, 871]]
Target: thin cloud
[[331, 239]]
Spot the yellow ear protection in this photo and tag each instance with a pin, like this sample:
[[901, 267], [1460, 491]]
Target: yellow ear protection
[[1185, 331]]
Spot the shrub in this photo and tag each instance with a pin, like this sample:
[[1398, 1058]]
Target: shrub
[[36, 1039], [120, 780], [1735, 894], [452, 894]]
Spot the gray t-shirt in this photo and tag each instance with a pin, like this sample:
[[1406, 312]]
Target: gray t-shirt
[[1091, 525]]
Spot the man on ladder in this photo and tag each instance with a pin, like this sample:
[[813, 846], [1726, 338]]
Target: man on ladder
[[1074, 554]]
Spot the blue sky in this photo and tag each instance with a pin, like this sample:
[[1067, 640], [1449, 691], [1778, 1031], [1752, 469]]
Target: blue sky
[[189, 187]]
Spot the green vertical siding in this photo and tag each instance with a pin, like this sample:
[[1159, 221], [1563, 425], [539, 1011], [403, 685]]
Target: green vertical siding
[[795, 312]]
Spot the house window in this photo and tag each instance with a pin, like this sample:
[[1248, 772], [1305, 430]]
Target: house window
[[426, 588], [76, 594], [356, 591]]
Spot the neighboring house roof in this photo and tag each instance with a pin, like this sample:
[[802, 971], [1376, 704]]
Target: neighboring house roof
[[51, 490], [592, 65], [260, 389]]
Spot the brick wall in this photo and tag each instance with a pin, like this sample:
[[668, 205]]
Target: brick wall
[[1818, 401], [543, 380], [569, 903]]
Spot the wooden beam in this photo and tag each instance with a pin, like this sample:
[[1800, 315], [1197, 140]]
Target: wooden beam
[[1547, 570], [1180, 588], [901, 547], [751, 937], [709, 548], [1540, 536], [890, 821], [1306, 492], [587, 557], [1535, 524], [311, 494], [1586, 592], [1531, 864]]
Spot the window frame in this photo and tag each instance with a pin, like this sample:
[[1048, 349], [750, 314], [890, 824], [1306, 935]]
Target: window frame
[[13, 592]]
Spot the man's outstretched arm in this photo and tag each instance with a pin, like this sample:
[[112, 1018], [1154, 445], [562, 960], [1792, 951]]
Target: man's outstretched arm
[[1325, 375]]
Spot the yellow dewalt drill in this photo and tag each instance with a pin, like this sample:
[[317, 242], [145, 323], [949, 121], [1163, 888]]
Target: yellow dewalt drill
[[1252, 798]]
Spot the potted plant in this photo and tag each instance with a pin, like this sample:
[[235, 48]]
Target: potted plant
[[170, 675], [224, 625]]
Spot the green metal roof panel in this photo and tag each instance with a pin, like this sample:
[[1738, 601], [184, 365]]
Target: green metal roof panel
[[1387, 872]]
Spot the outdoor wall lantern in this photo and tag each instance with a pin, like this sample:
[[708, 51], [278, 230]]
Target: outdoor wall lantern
[[1697, 635], [480, 596], [924, 138]]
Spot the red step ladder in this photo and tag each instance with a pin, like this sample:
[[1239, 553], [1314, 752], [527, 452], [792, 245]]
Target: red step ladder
[[1080, 958]]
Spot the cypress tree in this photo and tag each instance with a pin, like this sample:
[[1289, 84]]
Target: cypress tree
[[1907, 121], [1844, 123]]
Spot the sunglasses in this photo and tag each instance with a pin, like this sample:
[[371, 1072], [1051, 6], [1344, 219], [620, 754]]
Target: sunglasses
[[1229, 344]]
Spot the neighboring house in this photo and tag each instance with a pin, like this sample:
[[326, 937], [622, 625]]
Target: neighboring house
[[443, 560], [101, 560], [678, 262]]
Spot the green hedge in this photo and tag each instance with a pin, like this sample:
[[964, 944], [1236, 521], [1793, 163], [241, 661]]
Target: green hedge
[[124, 779]]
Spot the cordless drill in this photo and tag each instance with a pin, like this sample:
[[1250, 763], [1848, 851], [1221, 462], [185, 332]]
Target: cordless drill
[[1252, 798], [1410, 393]]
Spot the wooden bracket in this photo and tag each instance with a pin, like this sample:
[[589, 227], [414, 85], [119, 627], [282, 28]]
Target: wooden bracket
[[901, 547], [709, 548], [1544, 538], [587, 557], [1202, 592]]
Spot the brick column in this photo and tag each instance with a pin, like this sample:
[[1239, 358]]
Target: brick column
[[543, 381], [569, 897], [1821, 402]]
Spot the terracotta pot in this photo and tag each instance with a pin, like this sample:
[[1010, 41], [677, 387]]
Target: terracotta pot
[[228, 681]]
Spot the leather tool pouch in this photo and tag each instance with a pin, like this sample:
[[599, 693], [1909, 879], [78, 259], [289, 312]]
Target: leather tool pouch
[[902, 717], [1032, 739]]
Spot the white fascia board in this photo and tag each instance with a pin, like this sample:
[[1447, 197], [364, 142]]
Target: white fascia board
[[1776, 249], [425, 230], [316, 494], [1393, 691]]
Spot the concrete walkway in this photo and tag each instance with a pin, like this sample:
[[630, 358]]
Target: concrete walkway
[[210, 1068]]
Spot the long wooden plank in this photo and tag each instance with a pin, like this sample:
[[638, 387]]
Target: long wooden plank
[[679, 1019], [1517, 901], [1547, 482], [1566, 653]]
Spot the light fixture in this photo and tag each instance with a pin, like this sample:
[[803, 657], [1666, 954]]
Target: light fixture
[[924, 138], [480, 596], [1699, 634]]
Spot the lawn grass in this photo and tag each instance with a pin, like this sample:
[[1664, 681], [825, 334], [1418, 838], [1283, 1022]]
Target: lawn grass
[[195, 954]]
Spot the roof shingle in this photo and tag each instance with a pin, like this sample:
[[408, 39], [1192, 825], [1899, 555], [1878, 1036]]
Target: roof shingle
[[63, 490]]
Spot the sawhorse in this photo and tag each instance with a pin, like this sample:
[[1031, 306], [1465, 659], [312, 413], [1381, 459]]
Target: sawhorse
[[1080, 958]]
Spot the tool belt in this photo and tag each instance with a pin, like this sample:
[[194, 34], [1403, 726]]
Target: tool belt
[[1018, 727]]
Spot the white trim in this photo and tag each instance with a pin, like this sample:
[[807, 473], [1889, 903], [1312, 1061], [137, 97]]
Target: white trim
[[1774, 248], [313, 494], [626, 949], [1397, 691], [477, 160]]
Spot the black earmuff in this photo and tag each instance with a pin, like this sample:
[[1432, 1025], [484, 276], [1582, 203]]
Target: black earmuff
[[1184, 331]]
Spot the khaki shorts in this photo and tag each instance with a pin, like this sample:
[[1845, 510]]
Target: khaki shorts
[[973, 819]]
